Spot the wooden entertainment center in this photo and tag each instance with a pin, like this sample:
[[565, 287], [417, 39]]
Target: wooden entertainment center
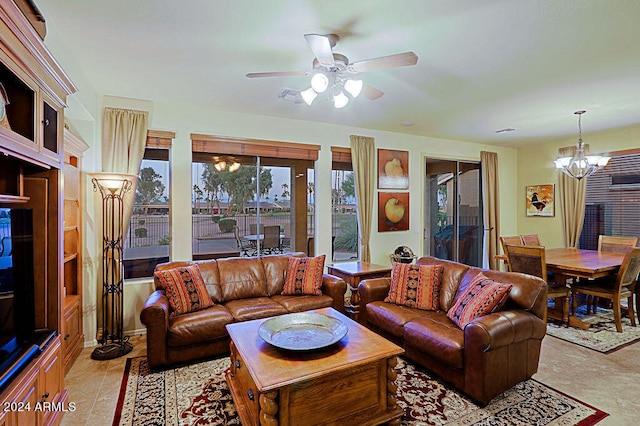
[[32, 164]]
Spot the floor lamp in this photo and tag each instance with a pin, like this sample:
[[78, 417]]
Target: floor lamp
[[112, 188]]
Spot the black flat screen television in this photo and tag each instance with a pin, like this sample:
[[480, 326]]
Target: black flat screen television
[[17, 310]]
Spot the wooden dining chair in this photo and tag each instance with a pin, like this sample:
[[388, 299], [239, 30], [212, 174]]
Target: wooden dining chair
[[531, 260], [615, 288], [616, 244], [530, 240], [513, 240], [609, 243]]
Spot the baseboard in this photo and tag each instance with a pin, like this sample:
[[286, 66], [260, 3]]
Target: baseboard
[[138, 332]]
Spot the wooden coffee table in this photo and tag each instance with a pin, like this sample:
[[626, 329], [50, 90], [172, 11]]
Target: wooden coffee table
[[349, 383]]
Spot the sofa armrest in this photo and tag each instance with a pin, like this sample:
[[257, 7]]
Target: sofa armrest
[[501, 349], [335, 288], [502, 329], [371, 290], [155, 316]]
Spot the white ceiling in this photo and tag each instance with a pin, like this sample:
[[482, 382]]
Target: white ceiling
[[483, 65]]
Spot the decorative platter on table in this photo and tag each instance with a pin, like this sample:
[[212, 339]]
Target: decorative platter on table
[[304, 331]]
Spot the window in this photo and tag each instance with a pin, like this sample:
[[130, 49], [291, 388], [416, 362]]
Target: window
[[453, 211], [241, 186], [344, 218], [612, 197], [148, 238]]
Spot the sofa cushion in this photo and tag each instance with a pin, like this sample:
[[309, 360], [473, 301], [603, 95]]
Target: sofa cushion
[[303, 303], [242, 278], [436, 335], [304, 276], [185, 289], [415, 286], [275, 270], [211, 277], [200, 326], [254, 308], [389, 317], [480, 298], [451, 276]]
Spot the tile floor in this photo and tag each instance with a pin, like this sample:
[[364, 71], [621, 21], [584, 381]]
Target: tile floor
[[608, 382]]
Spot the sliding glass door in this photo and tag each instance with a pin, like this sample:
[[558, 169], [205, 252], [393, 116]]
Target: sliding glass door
[[453, 211], [236, 196]]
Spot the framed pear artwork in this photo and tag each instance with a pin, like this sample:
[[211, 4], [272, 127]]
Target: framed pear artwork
[[393, 169], [393, 211]]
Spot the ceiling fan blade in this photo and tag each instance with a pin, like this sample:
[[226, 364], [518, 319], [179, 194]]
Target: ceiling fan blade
[[276, 74], [391, 61], [320, 45], [371, 92]]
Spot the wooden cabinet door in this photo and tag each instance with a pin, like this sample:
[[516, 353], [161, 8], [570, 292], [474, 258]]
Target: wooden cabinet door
[[5, 418], [51, 140], [51, 379], [28, 396], [72, 335]]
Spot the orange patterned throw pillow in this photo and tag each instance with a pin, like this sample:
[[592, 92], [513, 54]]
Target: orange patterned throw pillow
[[185, 289], [415, 286], [304, 276], [482, 296]]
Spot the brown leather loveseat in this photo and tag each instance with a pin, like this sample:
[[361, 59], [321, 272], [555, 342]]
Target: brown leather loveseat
[[492, 353], [242, 288]]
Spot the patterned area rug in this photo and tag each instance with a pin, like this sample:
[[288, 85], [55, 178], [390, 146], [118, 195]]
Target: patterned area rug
[[198, 395], [601, 336]]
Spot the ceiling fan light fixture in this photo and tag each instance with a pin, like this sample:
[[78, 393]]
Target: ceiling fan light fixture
[[220, 165], [319, 82], [354, 87], [340, 100], [234, 166], [308, 95]]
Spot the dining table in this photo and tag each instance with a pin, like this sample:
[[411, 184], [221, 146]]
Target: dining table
[[568, 264], [256, 237]]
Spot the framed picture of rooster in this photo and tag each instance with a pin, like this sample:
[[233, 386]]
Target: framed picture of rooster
[[393, 169], [541, 200]]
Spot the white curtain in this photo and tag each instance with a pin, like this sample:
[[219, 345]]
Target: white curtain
[[363, 159], [490, 208], [573, 194], [124, 136]]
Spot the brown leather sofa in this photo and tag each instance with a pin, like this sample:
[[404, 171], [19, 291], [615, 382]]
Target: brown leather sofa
[[242, 288], [491, 354]]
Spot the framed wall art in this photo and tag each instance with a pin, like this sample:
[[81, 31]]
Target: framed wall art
[[393, 211], [393, 169], [541, 200]]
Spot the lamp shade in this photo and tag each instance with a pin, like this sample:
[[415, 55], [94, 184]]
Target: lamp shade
[[340, 100], [112, 182], [354, 87], [319, 82], [308, 95]]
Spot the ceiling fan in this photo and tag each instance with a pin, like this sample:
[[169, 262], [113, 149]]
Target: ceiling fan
[[334, 71]]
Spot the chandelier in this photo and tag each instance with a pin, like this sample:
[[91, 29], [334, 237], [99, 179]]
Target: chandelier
[[581, 165], [226, 163], [339, 85]]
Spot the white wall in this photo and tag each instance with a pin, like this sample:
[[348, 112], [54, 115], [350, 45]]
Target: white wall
[[536, 167], [186, 119], [84, 114]]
